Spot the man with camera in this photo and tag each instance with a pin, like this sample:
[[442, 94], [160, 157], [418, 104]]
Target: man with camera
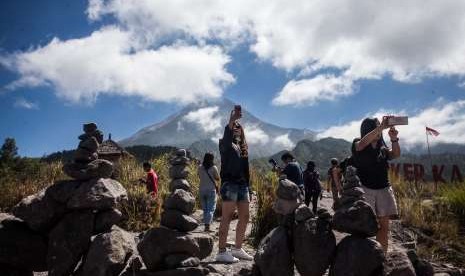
[[291, 169]]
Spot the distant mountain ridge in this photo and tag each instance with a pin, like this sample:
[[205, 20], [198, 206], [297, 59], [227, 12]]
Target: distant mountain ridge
[[194, 125]]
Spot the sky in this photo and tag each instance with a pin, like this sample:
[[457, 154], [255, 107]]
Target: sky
[[322, 65]]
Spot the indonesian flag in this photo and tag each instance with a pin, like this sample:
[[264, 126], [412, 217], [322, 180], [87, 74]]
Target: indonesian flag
[[431, 131]]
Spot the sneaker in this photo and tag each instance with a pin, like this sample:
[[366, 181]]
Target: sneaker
[[226, 257], [241, 254]]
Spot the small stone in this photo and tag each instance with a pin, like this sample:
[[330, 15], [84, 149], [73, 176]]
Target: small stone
[[98, 194], [91, 144], [358, 219], [397, 263], [179, 171], [302, 213], [62, 191], [82, 155], [205, 243], [179, 161], [285, 206], [180, 200], [104, 220], [287, 190], [89, 127], [180, 260], [177, 220], [273, 257], [99, 168], [356, 192], [180, 184]]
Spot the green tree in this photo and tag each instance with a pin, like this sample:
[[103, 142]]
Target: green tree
[[9, 152]]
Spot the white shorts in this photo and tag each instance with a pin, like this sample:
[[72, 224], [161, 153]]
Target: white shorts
[[382, 201]]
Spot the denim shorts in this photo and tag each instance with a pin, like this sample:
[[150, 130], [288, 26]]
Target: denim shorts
[[235, 191]]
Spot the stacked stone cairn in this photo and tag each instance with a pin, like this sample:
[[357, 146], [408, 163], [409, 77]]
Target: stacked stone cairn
[[172, 249], [353, 215], [69, 227], [301, 238]]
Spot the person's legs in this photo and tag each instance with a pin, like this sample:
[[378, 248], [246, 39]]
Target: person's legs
[[315, 196], [227, 210], [209, 209], [243, 213], [383, 233], [307, 197], [203, 204]]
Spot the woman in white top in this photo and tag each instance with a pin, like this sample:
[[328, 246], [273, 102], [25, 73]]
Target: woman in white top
[[208, 189]]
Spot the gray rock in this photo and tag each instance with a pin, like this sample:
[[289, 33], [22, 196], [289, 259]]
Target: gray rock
[[21, 247], [182, 184], [97, 134], [89, 127], [205, 242], [40, 211], [356, 192], [109, 253], [357, 219], [68, 241], [99, 168], [82, 155], [180, 260], [397, 263], [98, 194], [62, 191], [180, 200], [286, 206], [302, 213], [175, 219], [179, 171], [160, 242], [104, 220], [90, 144], [179, 161], [133, 266], [422, 267], [314, 248], [221, 269], [273, 255], [287, 190], [357, 256], [183, 271]]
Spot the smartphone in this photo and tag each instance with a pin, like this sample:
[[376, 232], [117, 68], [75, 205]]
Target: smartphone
[[397, 120], [238, 107], [273, 162]]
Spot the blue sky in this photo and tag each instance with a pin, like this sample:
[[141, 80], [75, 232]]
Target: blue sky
[[128, 64]]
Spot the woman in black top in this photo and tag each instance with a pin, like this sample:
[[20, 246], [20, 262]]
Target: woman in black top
[[371, 156]]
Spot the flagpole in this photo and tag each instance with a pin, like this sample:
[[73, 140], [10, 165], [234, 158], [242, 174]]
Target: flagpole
[[431, 160]]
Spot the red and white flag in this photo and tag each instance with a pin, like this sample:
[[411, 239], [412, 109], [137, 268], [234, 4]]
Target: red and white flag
[[431, 131]]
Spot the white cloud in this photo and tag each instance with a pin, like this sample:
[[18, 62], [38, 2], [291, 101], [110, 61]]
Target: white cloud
[[284, 141], [23, 103], [362, 40], [255, 135], [447, 118], [111, 61], [207, 118], [311, 91]]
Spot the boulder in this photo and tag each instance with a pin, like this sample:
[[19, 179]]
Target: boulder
[[397, 263], [183, 271], [89, 127], [286, 206], [273, 255], [177, 220], [109, 253], [133, 266], [98, 194], [357, 256], [21, 247], [180, 260], [99, 168], [104, 220], [82, 155], [422, 267], [357, 218], [179, 172], [180, 184], [97, 134], [287, 190], [314, 248], [89, 144], [302, 213], [40, 211], [205, 242], [160, 242], [180, 200], [68, 241], [62, 191], [179, 161]]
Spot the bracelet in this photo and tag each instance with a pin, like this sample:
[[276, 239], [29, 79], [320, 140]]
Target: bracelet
[[395, 141]]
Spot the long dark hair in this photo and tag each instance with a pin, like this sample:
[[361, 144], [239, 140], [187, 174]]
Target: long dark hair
[[208, 160], [368, 125]]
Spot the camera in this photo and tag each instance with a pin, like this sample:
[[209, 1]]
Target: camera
[[397, 120], [273, 162]]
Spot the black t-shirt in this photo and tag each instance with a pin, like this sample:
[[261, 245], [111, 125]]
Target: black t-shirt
[[234, 167], [293, 171], [372, 166]]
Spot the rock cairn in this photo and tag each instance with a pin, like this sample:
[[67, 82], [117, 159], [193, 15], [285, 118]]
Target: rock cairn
[[301, 238], [353, 215], [173, 249], [70, 222], [86, 164]]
